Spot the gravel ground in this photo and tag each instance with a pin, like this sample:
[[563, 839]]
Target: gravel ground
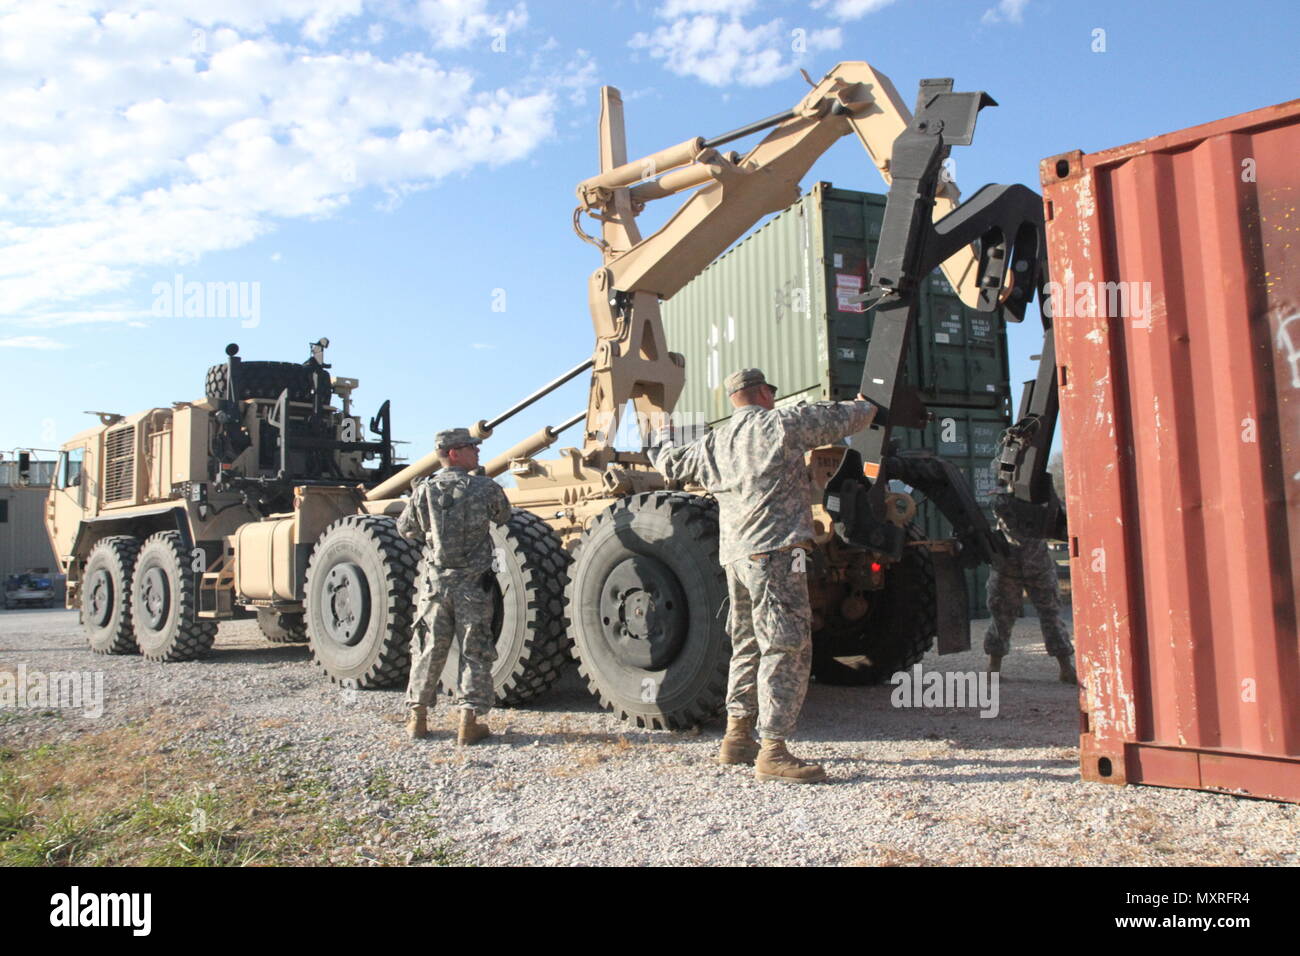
[[565, 783]]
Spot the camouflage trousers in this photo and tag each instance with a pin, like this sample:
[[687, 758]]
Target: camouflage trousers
[[453, 604], [1029, 567], [770, 623]]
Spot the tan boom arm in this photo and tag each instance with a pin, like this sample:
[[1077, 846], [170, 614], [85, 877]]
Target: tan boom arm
[[632, 361]]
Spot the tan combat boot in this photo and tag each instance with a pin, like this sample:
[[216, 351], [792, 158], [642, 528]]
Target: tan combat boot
[[995, 663], [417, 722], [738, 743], [471, 731], [775, 762], [1068, 676]]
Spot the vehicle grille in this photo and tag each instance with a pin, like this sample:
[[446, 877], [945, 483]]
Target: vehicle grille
[[119, 465]]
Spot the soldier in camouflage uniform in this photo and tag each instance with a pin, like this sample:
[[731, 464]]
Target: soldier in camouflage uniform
[[1028, 567], [755, 467], [450, 513]]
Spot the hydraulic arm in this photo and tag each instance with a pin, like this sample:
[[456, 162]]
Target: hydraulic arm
[[732, 192], [1006, 225]]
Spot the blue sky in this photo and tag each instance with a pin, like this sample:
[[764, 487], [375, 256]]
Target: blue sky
[[384, 173]]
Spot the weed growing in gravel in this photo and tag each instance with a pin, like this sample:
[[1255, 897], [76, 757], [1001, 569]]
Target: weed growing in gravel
[[378, 785]]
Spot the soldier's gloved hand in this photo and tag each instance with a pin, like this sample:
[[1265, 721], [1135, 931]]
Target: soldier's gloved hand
[[661, 438]]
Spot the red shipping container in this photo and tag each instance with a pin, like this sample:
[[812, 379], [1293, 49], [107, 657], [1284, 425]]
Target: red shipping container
[[1175, 265]]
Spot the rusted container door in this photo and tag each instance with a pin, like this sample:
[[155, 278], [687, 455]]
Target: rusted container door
[[1176, 271]]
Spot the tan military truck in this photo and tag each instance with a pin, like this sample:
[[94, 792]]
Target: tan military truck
[[258, 500], [265, 498]]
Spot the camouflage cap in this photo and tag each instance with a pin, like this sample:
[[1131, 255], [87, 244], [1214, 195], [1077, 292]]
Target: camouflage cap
[[455, 438], [746, 378]]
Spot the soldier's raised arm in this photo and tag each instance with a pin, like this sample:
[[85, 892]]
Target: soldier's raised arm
[[500, 510], [687, 464], [408, 523], [822, 423]]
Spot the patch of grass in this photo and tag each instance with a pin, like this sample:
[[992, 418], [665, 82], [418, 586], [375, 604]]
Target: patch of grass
[[379, 785], [15, 810], [125, 797]]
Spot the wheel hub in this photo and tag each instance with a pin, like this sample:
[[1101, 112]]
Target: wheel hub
[[157, 598], [347, 603], [101, 597], [643, 613]]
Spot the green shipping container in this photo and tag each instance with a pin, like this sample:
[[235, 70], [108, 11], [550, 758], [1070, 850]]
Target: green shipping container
[[778, 300]]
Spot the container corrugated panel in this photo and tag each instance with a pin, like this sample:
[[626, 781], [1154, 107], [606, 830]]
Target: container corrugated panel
[[1181, 430], [779, 301], [761, 299]]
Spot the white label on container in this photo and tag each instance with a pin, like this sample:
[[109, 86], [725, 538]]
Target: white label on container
[[847, 286], [941, 337], [849, 354], [839, 260]]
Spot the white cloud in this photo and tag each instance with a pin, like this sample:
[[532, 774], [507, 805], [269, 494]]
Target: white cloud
[[30, 342], [732, 8], [1009, 11], [119, 313], [450, 23], [578, 76], [851, 9], [721, 52], [136, 137], [453, 24]]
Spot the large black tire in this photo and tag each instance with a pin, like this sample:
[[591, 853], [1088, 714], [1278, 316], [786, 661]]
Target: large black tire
[[262, 380], [528, 612], [360, 601], [106, 595], [164, 602], [280, 628], [898, 629], [647, 609]]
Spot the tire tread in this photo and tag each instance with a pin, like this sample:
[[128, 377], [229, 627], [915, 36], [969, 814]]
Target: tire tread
[[697, 517], [391, 665], [125, 550], [195, 636]]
